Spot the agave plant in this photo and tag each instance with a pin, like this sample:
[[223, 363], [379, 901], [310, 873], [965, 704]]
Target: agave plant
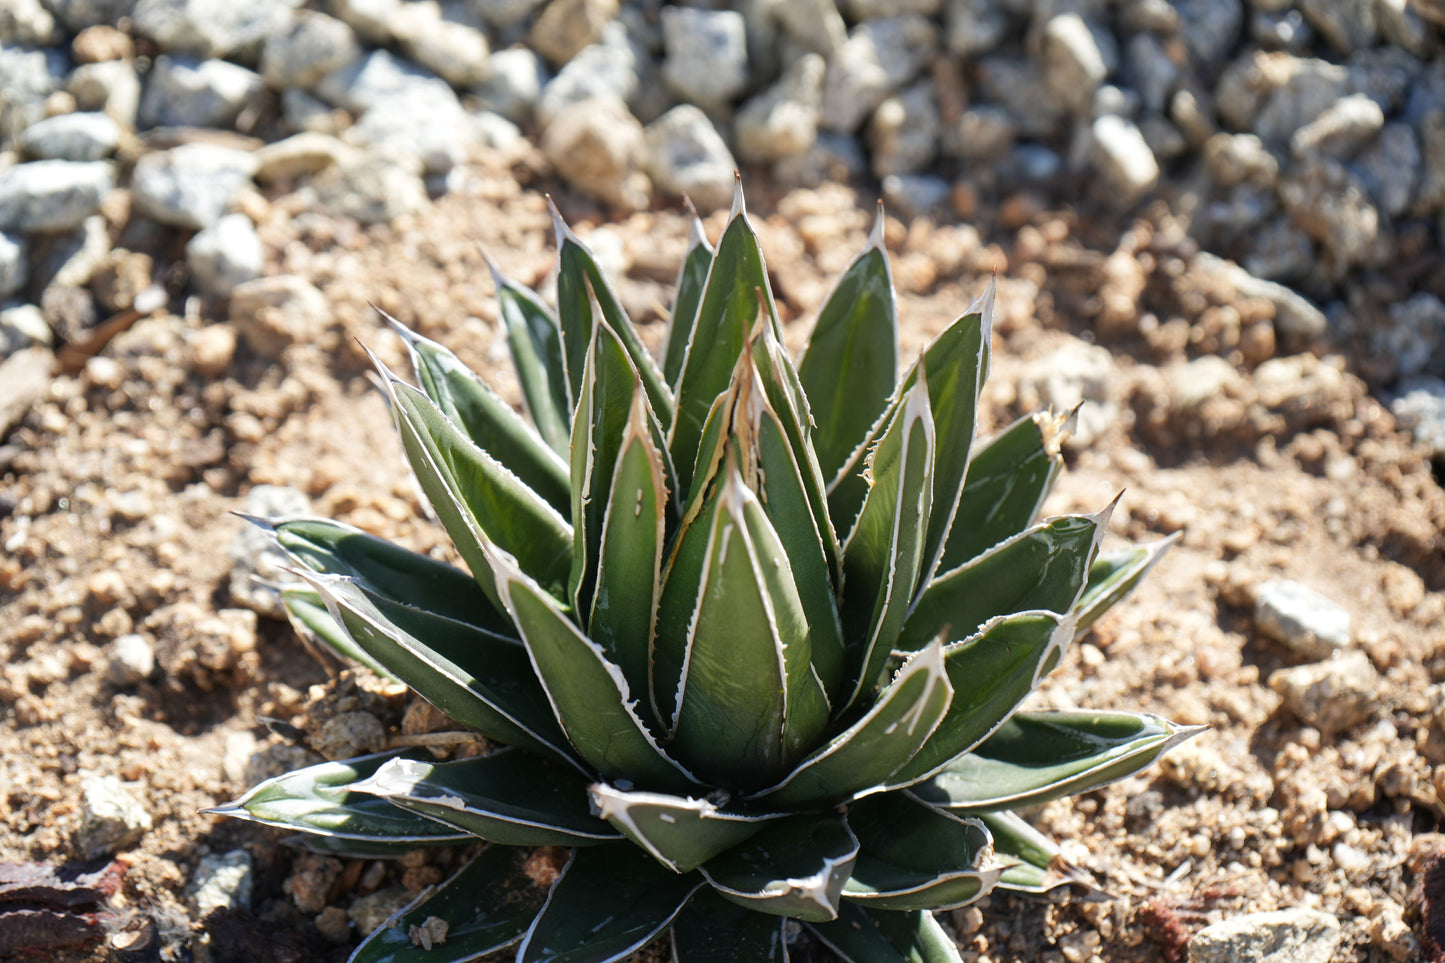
[[749, 638]]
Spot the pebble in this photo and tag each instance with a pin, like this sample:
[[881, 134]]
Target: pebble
[[371, 189], [297, 156], [597, 146], [1414, 337], [1123, 159], [82, 136], [915, 195], [1419, 407], [256, 560], [131, 659], [1308, 623], [184, 91], [361, 84], [564, 27], [707, 53], [373, 910], [209, 28], [879, 57], [14, 265], [349, 734], [454, 51], [1285, 936], [782, 121], [24, 378], [111, 87], [273, 313], [110, 817], [28, 23], [686, 155], [608, 68], [1341, 130], [225, 254], [905, 131], [1075, 64], [52, 195], [974, 27], [1333, 695], [312, 46], [192, 185], [222, 882], [512, 83]]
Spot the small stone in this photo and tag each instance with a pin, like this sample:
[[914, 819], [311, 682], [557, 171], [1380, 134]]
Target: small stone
[[74, 137], [27, 23], [915, 195], [225, 254], [72, 258], [28, 78], [100, 43], [707, 53], [814, 25], [297, 156], [596, 146], [1307, 622], [312, 46], [191, 185], [124, 279], [359, 85], [210, 351], [454, 51], [110, 817], [609, 68], [371, 19], [904, 132], [983, 135], [131, 659], [372, 911], [512, 83], [1074, 64], [1123, 159], [564, 27], [1333, 695], [431, 932], [782, 121], [333, 925], [222, 882], [832, 158], [273, 313], [371, 189], [14, 266], [1340, 131], [1285, 936], [186, 92], [209, 28], [879, 57], [504, 14], [1389, 932], [24, 378], [686, 155], [1419, 407], [52, 195], [23, 326], [975, 27], [111, 87], [1348, 25], [1240, 159], [349, 734], [1415, 335]]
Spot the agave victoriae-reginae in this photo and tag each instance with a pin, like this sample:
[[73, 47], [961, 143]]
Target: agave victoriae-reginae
[[749, 637]]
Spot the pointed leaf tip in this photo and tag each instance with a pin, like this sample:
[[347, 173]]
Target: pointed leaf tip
[[739, 205]]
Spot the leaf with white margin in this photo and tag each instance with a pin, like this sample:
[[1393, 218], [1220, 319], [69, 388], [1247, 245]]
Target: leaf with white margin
[[914, 857], [681, 832], [535, 340], [1114, 575], [712, 930], [794, 868], [691, 279]]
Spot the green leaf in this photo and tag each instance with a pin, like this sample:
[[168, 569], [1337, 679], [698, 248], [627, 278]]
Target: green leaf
[[919, 936], [487, 906], [485, 418], [794, 868], [309, 617], [1040, 865], [1038, 756], [883, 555], [712, 930], [748, 704], [318, 800], [1045, 567], [634, 527], [579, 282], [691, 278], [476, 498], [730, 305], [680, 832], [535, 340], [991, 674], [1114, 575], [851, 363], [609, 902], [482, 681], [387, 569], [1008, 479], [856, 937], [878, 744], [913, 857], [508, 797], [352, 848], [589, 695]]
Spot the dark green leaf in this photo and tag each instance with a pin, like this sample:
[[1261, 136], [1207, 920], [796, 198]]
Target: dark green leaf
[[609, 902], [1114, 575], [487, 906], [1039, 866], [509, 797], [877, 745], [483, 682], [919, 935], [1045, 567], [691, 279], [309, 617], [317, 800], [486, 419], [856, 937], [1038, 756], [795, 868], [712, 930], [851, 363], [681, 832], [991, 674], [1008, 479], [913, 857], [535, 340], [883, 555]]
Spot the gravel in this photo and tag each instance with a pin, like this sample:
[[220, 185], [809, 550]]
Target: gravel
[[1305, 621], [1287, 936], [111, 818]]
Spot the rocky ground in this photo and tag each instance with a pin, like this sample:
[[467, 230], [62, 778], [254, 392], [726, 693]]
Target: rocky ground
[[197, 207]]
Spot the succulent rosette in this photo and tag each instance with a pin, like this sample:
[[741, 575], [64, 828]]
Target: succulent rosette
[[750, 638]]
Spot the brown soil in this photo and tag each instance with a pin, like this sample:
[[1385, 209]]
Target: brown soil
[[114, 496]]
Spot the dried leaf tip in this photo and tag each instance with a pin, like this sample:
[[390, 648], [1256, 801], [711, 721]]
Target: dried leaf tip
[[876, 233], [739, 206]]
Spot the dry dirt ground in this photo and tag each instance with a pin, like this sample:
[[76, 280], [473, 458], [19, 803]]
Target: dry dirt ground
[[115, 493]]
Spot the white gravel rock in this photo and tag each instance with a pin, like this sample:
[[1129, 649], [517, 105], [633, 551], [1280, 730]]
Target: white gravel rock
[[130, 659], [814, 25], [112, 87], [975, 26], [52, 195], [1123, 159], [1305, 621], [707, 53], [379, 75], [27, 23], [454, 51], [222, 881], [210, 28], [271, 314], [598, 147], [1285, 936], [312, 46], [226, 254], [191, 185], [879, 57], [513, 83], [79, 14], [23, 326], [1341, 130], [433, 129], [299, 155], [503, 14], [915, 195], [1074, 64], [1419, 407], [27, 77], [1332, 695], [905, 131], [182, 91], [110, 817], [608, 68], [782, 121], [14, 265], [81, 136], [372, 189], [687, 155], [371, 19]]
